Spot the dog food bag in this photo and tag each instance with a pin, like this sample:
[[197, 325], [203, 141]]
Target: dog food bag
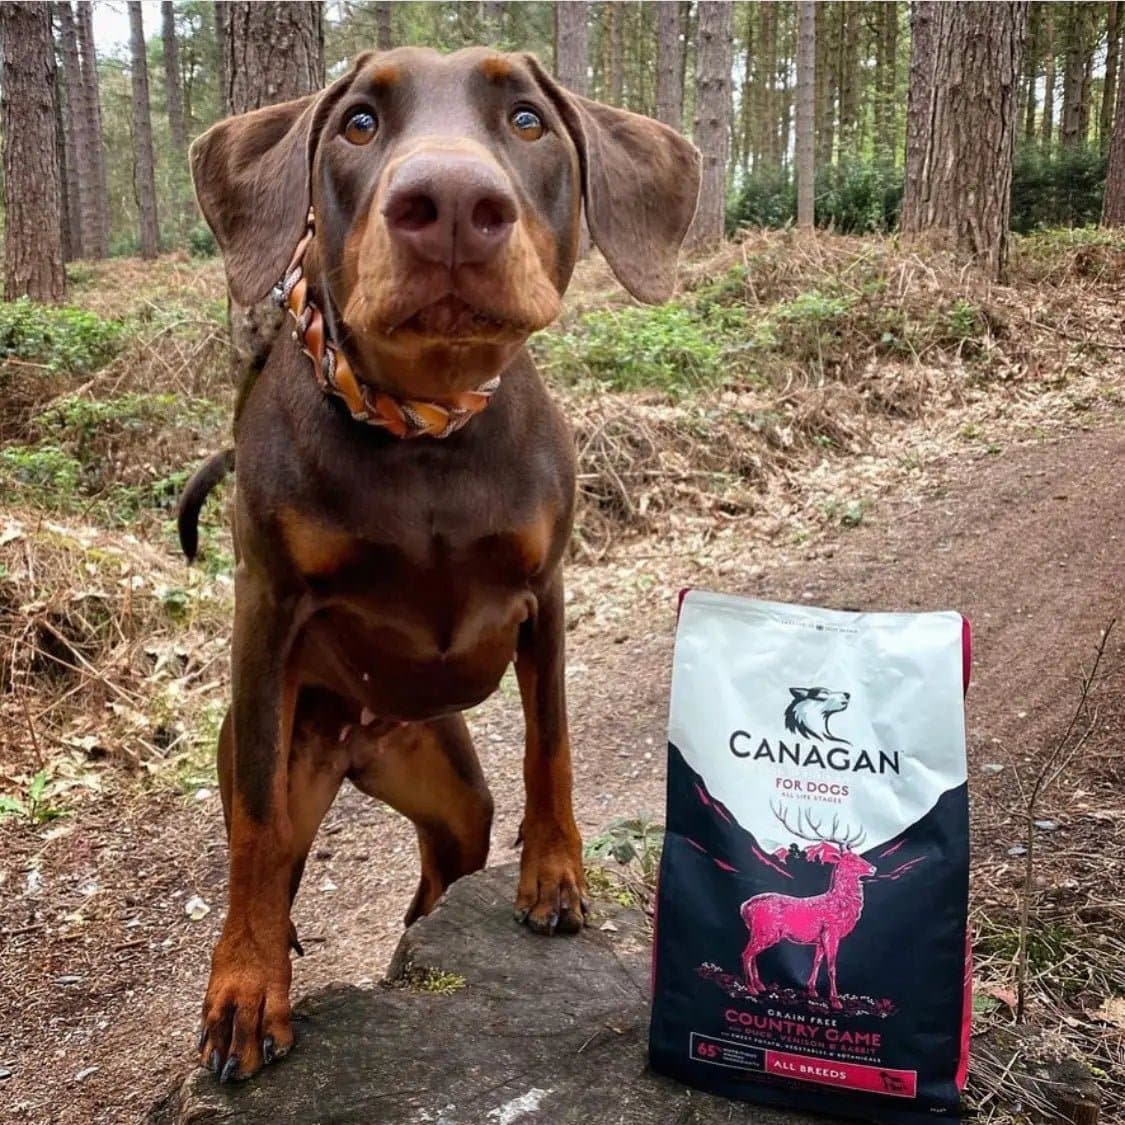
[[811, 939]]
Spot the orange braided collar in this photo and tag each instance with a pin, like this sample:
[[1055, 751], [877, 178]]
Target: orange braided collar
[[403, 417]]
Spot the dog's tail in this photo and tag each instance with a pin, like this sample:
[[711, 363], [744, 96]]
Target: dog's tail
[[196, 491]]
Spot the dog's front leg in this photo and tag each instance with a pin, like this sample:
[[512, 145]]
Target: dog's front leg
[[552, 884], [246, 1014]]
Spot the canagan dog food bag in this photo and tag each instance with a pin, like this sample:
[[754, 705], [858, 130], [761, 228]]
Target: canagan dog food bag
[[811, 923]]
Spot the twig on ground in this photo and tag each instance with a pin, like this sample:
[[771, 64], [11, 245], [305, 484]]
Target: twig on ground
[[1056, 761]]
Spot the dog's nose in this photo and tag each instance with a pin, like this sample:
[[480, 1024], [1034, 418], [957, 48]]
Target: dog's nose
[[450, 209]]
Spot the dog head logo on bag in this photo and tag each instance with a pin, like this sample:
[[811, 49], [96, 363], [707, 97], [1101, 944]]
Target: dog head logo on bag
[[811, 708]]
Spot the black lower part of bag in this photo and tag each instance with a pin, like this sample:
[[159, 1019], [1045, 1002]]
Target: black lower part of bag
[[867, 1019]]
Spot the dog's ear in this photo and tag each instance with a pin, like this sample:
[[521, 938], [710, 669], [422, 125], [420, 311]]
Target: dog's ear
[[799, 692], [252, 181], [640, 184]]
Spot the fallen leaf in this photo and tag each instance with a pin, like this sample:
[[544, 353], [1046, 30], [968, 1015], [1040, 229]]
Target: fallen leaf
[[196, 909]]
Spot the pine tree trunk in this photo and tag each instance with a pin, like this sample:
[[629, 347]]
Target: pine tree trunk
[[1048, 129], [669, 66], [806, 113], [849, 71], [886, 78], [74, 133], [274, 51], [1112, 67], [614, 14], [919, 105], [144, 163], [1113, 206], [95, 236], [959, 193], [783, 92], [173, 90], [1071, 133], [384, 36], [33, 260], [746, 98], [572, 46], [492, 18], [711, 130], [1031, 70], [830, 53], [765, 116]]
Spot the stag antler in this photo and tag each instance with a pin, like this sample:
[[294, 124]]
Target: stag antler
[[818, 836]]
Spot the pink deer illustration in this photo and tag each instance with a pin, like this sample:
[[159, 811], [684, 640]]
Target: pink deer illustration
[[822, 920]]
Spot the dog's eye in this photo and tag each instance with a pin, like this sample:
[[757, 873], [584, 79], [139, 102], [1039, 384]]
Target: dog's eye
[[527, 124], [360, 127]]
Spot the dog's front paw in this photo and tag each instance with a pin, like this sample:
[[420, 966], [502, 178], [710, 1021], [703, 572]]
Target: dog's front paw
[[246, 1014], [552, 889]]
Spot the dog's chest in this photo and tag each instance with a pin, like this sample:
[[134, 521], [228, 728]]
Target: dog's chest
[[422, 621]]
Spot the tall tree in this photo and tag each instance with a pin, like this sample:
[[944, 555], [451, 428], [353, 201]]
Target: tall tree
[[76, 167], [1031, 56], [1113, 205], [850, 73], [711, 130], [173, 87], [1076, 78], [959, 175], [1047, 132], [669, 65], [806, 113], [33, 259], [274, 51], [886, 76], [828, 63], [1112, 68], [144, 163], [95, 214], [384, 37], [615, 15], [572, 56]]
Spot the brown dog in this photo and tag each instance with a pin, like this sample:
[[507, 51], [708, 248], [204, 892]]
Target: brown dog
[[383, 586]]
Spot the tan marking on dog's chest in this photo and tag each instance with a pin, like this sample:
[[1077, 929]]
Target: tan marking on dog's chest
[[316, 549]]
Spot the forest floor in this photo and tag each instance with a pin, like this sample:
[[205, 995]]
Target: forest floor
[[979, 470]]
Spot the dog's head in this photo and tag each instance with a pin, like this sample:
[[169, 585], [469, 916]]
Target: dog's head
[[447, 191], [810, 709]]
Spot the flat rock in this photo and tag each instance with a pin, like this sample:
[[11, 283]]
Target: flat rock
[[479, 1022]]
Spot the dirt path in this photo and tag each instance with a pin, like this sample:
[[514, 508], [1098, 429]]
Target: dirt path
[[101, 967]]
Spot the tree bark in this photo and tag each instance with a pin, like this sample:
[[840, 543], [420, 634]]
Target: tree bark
[[1112, 75], [1075, 81], [886, 76], [1113, 205], [572, 46], [1048, 129], [806, 113], [95, 240], [1031, 70], [711, 131], [829, 52], [144, 163], [274, 52], [614, 13], [959, 191], [384, 34], [669, 66], [173, 89], [765, 116], [33, 260], [852, 17], [76, 167]]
